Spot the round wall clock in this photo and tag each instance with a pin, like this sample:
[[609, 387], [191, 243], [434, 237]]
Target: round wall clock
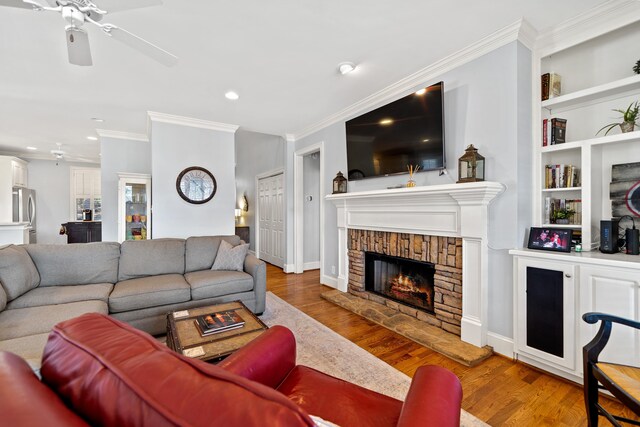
[[196, 185]]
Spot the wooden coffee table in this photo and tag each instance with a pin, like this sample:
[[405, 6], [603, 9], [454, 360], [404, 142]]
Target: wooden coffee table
[[183, 337]]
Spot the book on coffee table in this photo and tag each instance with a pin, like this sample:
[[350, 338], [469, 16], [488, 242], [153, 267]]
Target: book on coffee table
[[221, 321]]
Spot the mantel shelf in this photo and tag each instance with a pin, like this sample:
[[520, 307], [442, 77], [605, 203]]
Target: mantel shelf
[[622, 86]]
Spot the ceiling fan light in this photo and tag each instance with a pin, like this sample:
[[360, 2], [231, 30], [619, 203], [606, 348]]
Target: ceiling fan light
[[231, 95], [92, 138]]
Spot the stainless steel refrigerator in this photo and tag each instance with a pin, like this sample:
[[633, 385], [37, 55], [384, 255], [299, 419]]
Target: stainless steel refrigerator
[[24, 209]]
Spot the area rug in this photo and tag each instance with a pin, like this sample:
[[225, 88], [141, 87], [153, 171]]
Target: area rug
[[327, 351]]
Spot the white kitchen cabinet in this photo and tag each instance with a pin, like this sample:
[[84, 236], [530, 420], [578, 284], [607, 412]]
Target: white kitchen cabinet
[[19, 173], [589, 282], [545, 306]]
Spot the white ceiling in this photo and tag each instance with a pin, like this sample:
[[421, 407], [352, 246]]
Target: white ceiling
[[281, 56]]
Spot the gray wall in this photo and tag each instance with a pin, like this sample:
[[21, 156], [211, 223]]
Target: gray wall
[[256, 153], [119, 156], [311, 209], [53, 192], [174, 148], [486, 104]]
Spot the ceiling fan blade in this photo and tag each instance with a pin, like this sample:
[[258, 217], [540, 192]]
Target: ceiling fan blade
[[119, 5], [142, 46], [16, 3], [78, 46]]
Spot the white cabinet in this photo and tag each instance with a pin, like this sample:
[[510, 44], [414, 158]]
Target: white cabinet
[[19, 173], [545, 311], [613, 291], [554, 290]]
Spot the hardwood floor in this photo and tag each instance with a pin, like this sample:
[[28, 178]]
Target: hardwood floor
[[499, 391]]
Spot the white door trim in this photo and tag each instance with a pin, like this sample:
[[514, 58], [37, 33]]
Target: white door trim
[[256, 217], [298, 206]]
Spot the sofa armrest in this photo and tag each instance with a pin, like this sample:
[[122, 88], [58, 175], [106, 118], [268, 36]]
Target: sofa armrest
[[434, 398], [267, 359], [25, 401], [258, 270]]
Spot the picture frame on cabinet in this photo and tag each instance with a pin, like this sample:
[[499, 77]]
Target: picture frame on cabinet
[[550, 239]]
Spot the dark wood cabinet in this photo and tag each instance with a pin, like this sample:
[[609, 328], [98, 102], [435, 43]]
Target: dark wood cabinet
[[244, 233], [83, 231]]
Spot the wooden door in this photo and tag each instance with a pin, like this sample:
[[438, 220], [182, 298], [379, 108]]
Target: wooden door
[[271, 219]]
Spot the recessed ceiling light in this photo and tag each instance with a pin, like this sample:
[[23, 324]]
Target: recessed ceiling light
[[97, 119], [421, 91], [346, 67], [31, 148], [425, 140], [386, 122], [92, 138], [231, 95]]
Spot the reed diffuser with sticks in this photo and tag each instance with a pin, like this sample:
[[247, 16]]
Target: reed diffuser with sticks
[[412, 170]]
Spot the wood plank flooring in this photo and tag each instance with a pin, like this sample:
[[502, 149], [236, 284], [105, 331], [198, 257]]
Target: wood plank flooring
[[499, 391]]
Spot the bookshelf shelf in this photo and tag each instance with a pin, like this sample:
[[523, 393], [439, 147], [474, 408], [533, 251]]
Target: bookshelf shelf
[[567, 226], [551, 190], [596, 93], [574, 145]]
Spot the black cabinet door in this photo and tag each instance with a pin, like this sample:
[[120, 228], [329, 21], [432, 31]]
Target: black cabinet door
[[83, 232], [545, 314]]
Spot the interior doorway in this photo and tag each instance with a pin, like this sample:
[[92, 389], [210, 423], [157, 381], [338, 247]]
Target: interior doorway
[[306, 160], [270, 239]]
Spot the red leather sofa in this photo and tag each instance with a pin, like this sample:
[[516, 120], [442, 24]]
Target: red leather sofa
[[97, 370]]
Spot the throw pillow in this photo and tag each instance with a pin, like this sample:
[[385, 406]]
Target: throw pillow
[[18, 273], [230, 257]]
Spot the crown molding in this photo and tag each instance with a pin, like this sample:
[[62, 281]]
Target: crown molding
[[114, 134], [519, 30], [593, 23], [189, 121], [289, 137]]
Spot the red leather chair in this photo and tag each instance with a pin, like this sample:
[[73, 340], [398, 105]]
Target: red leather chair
[[100, 371]]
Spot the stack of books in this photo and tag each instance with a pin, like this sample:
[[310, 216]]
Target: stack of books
[[554, 131], [551, 205], [561, 176], [221, 321]]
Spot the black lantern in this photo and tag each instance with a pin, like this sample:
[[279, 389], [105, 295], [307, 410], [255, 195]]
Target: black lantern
[[339, 184], [471, 166]]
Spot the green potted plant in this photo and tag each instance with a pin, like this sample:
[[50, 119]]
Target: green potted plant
[[629, 118], [562, 216]]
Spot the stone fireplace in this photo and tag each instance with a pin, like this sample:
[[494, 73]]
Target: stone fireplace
[[445, 225], [427, 284]]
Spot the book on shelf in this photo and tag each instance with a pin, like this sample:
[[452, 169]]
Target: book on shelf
[[558, 131], [561, 176], [545, 133], [545, 86], [555, 85], [552, 205], [219, 321]]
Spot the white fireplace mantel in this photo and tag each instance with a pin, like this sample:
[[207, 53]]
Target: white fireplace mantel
[[452, 210]]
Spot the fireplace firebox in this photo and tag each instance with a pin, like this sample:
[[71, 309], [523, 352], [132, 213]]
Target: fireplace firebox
[[400, 279]]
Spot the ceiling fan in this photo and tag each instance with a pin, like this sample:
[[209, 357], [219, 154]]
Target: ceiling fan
[[78, 12]]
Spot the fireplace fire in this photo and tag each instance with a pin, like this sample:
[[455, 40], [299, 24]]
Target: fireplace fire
[[403, 280]]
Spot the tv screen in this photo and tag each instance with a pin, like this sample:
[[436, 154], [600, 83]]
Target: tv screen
[[409, 131]]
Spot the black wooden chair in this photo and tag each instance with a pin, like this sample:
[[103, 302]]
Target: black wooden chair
[[620, 380]]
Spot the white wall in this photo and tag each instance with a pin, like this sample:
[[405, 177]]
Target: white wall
[[119, 155], [256, 153], [53, 192], [487, 103], [174, 148], [311, 209]]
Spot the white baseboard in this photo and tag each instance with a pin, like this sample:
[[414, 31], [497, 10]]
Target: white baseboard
[[329, 281], [289, 268], [314, 265], [501, 344]]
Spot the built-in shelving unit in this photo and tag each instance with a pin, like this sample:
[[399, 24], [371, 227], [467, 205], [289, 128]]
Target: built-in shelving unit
[[593, 94]]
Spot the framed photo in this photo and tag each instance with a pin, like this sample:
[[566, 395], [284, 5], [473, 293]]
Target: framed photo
[[550, 239]]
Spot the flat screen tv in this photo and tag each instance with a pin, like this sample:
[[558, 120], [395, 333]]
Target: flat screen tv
[[409, 131]]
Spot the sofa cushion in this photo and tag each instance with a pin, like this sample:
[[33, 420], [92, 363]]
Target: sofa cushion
[[230, 257], [77, 264], [62, 294], [146, 292], [342, 402], [212, 283], [22, 322], [142, 258], [18, 274], [114, 375], [3, 298], [29, 348], [202, 251]]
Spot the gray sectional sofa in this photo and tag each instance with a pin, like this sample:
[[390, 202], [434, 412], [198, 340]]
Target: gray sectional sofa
[[138, 282]]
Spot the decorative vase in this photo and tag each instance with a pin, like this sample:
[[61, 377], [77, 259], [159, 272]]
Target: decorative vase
[[627, 126], [562, 221], [411, 183]]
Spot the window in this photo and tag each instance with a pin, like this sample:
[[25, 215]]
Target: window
[[85, 193]]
